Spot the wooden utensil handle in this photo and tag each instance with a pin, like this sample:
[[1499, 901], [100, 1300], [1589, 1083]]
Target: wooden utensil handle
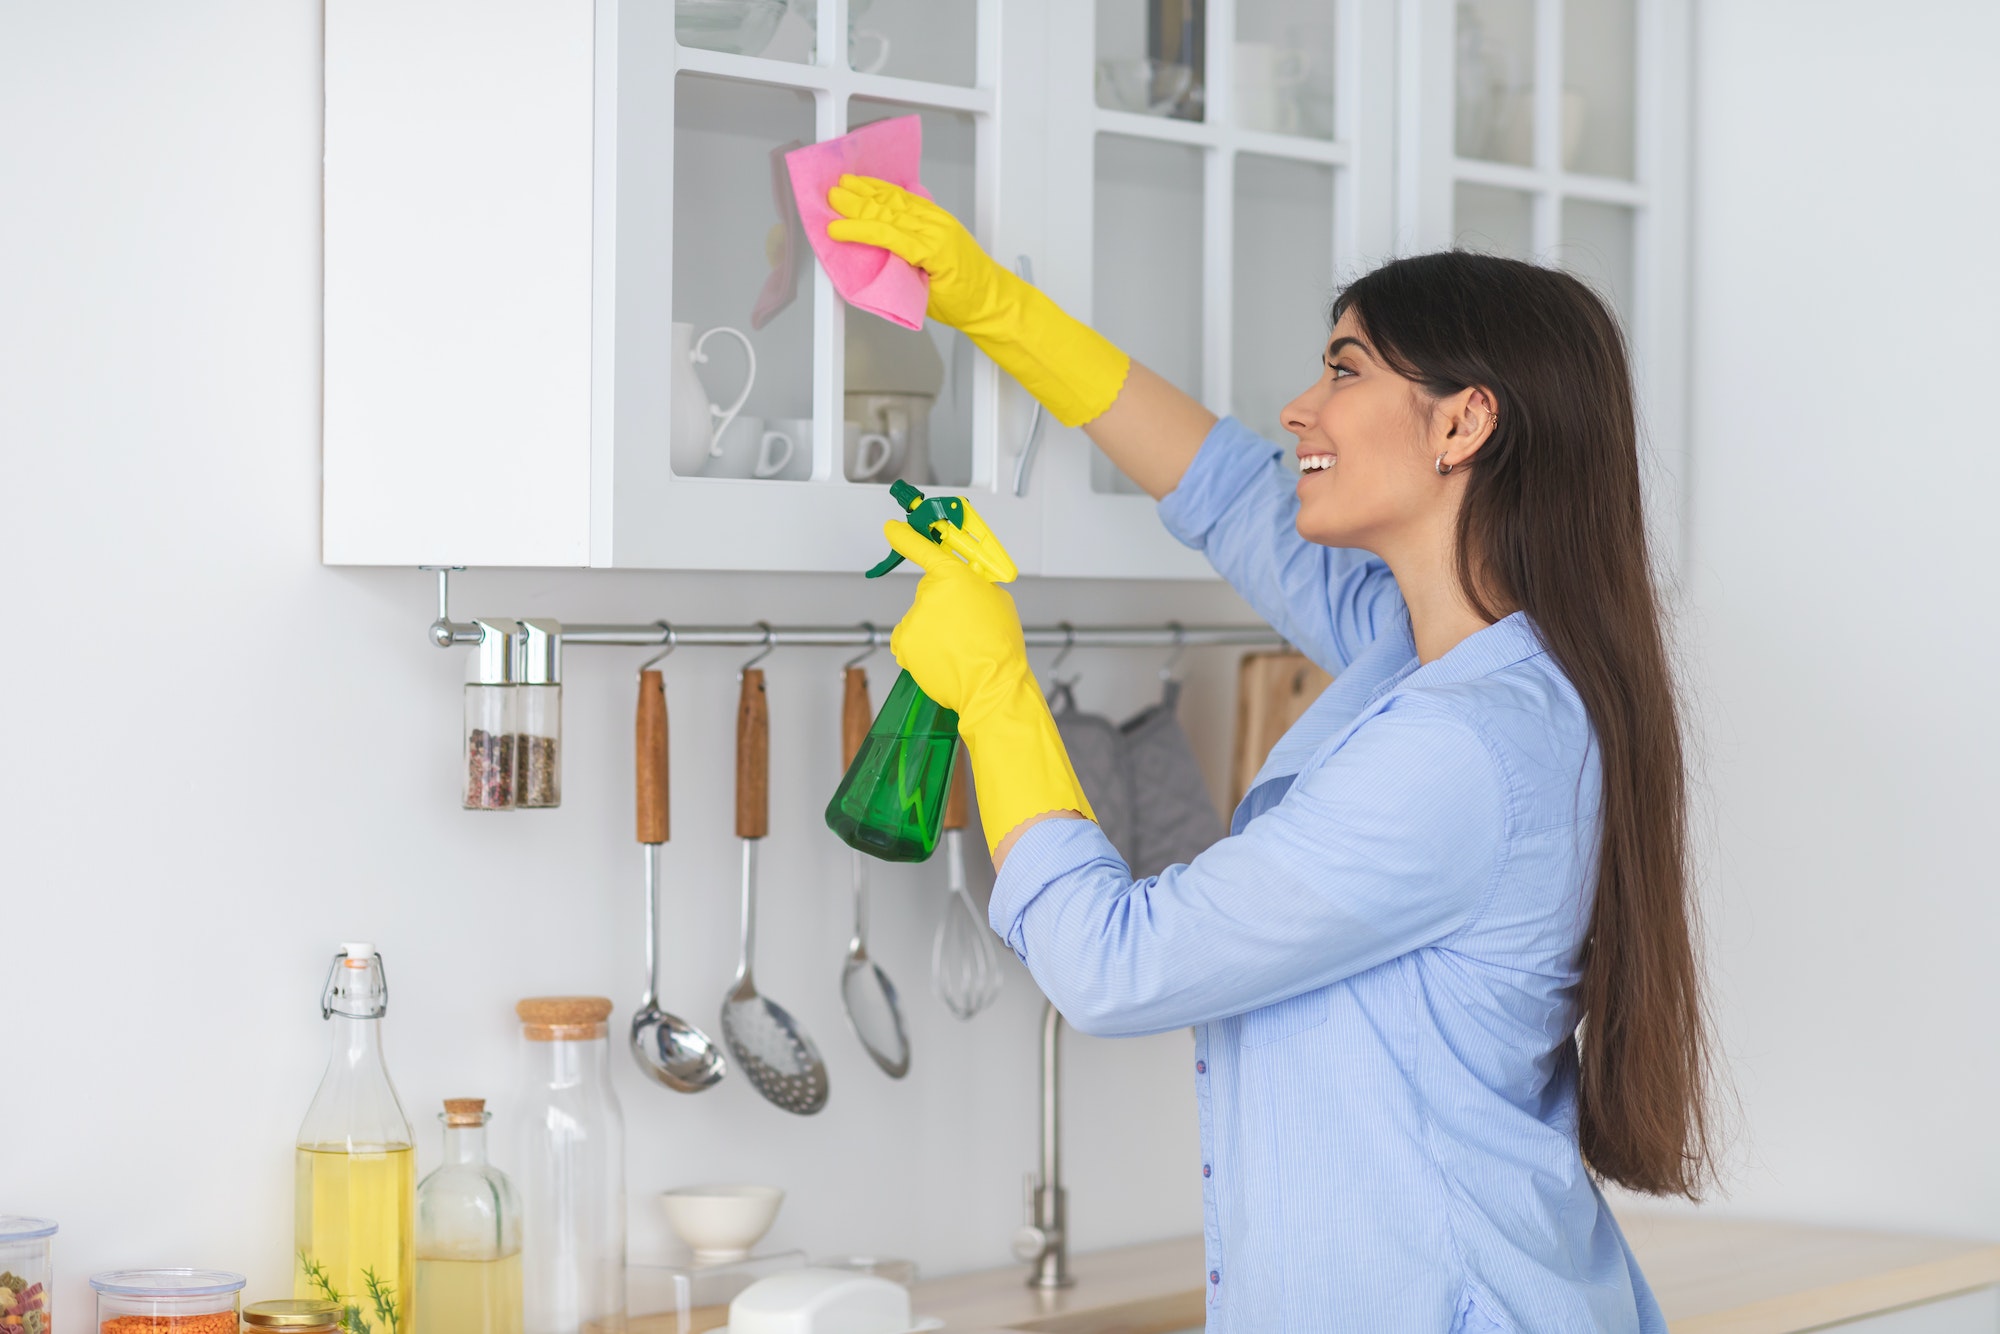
[[855, 714], [753, 758], [650, 744], [961, 787]]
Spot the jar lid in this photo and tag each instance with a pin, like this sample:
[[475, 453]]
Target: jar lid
[[300, 1313], [563, 1018], [15, 1228], [168, 1282]]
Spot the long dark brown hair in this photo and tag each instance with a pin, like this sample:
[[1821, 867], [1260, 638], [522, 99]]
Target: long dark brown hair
[[1553, 524]]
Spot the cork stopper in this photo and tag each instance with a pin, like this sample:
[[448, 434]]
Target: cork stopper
[[563, 1018], [465, 1111]]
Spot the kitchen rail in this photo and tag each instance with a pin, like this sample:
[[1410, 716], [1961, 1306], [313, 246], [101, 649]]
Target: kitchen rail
[[446, 632]]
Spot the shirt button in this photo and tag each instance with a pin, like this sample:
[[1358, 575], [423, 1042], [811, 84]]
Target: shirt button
[[1204, 1169], [1201, 1067], [1214, 1277]]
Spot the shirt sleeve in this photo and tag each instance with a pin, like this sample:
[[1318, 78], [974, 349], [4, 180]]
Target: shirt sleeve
[[1236, 504], [1392, 845]]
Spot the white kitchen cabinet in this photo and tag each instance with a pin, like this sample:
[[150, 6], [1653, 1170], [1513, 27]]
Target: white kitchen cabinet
[[1557, 131], [524, 197]]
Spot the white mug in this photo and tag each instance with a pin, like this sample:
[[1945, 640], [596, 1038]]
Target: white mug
[[746, 449], [870, 456], [796, 433]]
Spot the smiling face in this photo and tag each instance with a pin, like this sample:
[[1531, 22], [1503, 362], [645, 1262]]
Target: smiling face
[[1369, 445]]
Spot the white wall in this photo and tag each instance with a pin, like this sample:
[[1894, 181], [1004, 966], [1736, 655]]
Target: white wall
[[1844, 626], [222, 758]]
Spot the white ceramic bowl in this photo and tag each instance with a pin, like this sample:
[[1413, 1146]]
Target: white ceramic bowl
[[721, 1223]]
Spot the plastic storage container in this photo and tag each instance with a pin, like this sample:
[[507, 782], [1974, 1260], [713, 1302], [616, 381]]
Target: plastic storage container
[[167, 1301], [538, 716], [292, 1316], [25, 1275], [492, 702], [468, 1233], [570, 1170]]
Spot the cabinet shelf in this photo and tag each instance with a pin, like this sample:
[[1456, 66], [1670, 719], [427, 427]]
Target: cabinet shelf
[[1200, 134], [1574, 185], [832, 79]]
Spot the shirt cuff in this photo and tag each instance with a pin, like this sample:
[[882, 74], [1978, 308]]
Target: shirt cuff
[[1044, 854], [1230, 460]]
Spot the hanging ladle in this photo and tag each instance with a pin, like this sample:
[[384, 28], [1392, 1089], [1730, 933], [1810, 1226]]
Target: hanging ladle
[[865, 990], [668, 1048]]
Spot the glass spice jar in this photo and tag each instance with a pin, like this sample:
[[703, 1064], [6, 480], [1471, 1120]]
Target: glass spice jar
[[538, 715], [167, 1301], [292, 1315], [492, 701], [25, 1276]]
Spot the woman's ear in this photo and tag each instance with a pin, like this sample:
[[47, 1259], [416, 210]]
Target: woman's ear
[[1463, 422]]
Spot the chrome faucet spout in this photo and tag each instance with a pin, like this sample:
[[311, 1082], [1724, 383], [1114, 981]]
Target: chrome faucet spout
[[1042, 1242]]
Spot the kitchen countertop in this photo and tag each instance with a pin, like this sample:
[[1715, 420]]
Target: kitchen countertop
[[1712, 1276]]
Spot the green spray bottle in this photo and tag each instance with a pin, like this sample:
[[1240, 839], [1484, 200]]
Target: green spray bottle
[[890, 803]]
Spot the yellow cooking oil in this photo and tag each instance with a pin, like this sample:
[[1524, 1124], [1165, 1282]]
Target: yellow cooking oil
[[470, 1296], [356, 1235]]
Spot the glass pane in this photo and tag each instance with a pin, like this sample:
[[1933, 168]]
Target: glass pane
[[1284, 67], [933, 40], [1494, 83], [909, 392], [1497, 221], [1600, 86], [743, 28], [1150, 56], [1597, 247], [1284, 283], [740, 264], [1146, 279]]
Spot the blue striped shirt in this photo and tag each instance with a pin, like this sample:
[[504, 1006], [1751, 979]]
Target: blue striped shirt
[[1379, 962]]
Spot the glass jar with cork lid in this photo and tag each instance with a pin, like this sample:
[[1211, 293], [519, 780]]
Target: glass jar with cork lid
[[571, 1170]]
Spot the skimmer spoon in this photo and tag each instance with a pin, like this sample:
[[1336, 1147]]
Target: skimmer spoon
[[768, 1045], [667, 1048]]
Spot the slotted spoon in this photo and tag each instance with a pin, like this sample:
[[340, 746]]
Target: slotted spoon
[[769, 1046]]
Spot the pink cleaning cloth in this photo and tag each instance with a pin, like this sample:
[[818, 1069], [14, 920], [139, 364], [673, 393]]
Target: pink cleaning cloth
[[865, 276]]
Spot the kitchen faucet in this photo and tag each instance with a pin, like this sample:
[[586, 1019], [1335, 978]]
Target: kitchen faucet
[[1042, 1242]]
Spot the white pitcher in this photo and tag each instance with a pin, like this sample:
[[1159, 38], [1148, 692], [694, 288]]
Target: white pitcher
[[697, 424]]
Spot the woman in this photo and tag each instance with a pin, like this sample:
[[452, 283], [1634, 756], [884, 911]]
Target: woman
[[1440, 972]]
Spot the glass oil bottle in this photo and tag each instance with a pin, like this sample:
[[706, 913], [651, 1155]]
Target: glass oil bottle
[[354, 1236], [468, 1233]]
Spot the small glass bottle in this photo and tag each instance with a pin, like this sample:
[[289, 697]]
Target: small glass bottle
[[354, 1208], [25, 1274], [571, 1170], [468, 1233], [307, 1315], [538, 716], [167, 1301], [492, 701]]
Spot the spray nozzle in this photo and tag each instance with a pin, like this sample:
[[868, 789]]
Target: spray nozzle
[[955, 526]]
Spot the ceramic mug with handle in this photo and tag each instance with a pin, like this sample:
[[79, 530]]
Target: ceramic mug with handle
[[870, 456], [796, 435], [746, 449]]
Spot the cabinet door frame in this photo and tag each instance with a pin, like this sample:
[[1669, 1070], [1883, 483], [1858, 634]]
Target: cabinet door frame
[[1657, 331], [1097, 534]]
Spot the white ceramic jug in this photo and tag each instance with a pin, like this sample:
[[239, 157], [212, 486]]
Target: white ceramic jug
[[697, 424]]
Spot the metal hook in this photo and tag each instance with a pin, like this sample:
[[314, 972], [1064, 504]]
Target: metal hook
[[874, 647], [1180, 647], [1056, 682], [770, 642], [673, 642]]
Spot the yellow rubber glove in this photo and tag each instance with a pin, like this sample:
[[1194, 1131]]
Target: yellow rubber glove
[[1074, 370], [961, 640]]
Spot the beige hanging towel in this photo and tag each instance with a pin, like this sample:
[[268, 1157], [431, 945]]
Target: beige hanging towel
[[1272, 690]]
